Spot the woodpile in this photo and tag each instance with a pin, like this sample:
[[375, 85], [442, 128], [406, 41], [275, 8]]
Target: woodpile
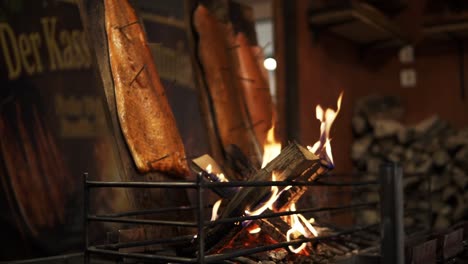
[[434, 157]]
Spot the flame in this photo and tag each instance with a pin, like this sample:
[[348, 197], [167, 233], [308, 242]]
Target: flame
[[326, 119], [214, 212], [297, 221], [209, 168], [271, 147], [275, 194], [221, 177], [273, 197], [297, 226]]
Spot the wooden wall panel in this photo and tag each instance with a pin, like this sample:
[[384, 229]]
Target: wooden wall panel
[[330, 64]]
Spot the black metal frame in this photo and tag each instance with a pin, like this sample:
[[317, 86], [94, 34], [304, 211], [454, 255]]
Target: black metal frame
[[391, 196]]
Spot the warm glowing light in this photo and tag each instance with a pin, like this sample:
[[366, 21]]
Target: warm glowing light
[[267, 204], [271, 147], [297, 226], [269, 64], [322, 147], [214, 212], [255, 230], [221, 177], [209, 168], [275, 194], [308, 225], [273, 197], [288, 238]]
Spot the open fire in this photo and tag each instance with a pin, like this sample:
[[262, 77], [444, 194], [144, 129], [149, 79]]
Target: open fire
[[298, 225], [256, 212], [326, 119]]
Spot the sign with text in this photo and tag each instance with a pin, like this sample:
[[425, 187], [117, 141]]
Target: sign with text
[[53, 128]]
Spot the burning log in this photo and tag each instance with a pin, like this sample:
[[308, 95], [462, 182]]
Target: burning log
[[210, 169], [294, 163], [292, 195], [275, 227]]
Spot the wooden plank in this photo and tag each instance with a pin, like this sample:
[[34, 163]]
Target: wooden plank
[[92, 13]]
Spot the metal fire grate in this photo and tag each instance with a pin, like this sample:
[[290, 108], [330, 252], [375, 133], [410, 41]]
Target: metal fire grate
[[391, 229]]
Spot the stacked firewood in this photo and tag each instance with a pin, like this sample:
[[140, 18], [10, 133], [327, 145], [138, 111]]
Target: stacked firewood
[[434, 157]]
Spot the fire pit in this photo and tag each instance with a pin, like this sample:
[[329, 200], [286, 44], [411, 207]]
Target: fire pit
[[240, 242], [259, 215]]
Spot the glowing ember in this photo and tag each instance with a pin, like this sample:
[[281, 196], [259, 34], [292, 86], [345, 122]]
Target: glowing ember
[[271, 147], [326, 119], [255, 230]]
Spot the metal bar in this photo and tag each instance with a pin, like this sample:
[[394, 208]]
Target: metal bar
[[85, 218], [290, 86], [284, 183], [65, 258], [391, 209], [324, 183], [140, 221], [152, 211], [245, 252], [153, 257], [145, 242], [200, 218], [302, 211], [100, 184], [358, 174]]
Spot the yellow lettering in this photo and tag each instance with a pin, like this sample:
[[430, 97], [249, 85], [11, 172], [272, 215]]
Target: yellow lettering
[[13, 64], [86, 51], [68, 106], [77, 128], [79, 59], [25, 51], [36, 44], [68, 58], [48, 26]]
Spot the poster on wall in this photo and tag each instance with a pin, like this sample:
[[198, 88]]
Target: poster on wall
[[53, 128]]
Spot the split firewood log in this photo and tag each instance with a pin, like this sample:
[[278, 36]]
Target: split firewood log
[[146, 119], [295, 163]]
